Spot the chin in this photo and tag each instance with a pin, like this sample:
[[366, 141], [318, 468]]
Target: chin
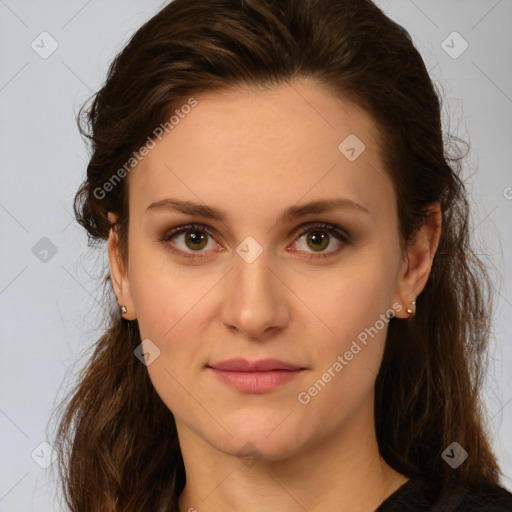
[[262, 442]]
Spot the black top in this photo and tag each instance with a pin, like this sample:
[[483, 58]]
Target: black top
[[418, 495]]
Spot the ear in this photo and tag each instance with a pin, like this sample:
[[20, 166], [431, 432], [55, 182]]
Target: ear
[[118, 272], [418, 260]]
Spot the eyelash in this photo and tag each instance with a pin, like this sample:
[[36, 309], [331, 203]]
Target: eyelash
[[331, 229]]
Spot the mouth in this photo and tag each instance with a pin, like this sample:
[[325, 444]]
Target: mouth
[[256, 376], [263, 365]]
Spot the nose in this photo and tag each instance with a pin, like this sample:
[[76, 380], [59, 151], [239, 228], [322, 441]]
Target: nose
[[255, 302]]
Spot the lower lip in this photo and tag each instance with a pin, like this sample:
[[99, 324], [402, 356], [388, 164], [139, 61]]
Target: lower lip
[[256, 382]]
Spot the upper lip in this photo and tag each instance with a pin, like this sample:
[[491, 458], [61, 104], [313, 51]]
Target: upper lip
[[263, 365]]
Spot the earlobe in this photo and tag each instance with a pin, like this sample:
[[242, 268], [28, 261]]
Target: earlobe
[[418, 261], [118, 273]]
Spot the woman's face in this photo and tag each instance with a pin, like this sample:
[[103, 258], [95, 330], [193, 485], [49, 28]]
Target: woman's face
[[275, 274]]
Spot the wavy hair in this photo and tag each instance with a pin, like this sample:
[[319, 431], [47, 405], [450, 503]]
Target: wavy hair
[[116, 440]]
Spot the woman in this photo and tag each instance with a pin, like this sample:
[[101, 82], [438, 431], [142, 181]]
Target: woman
[[300, 320]]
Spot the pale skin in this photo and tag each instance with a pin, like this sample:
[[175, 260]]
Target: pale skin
[[253, 154]]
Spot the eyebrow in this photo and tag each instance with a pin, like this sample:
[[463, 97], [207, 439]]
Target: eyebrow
[[291, 213]]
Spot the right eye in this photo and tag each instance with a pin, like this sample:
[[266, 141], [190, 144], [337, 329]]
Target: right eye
[[193, 242]]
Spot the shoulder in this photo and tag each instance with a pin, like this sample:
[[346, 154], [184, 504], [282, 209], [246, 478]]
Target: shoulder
[[475, 499], [420, 495]]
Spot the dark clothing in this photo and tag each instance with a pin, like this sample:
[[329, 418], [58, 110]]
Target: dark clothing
[[418, 495]]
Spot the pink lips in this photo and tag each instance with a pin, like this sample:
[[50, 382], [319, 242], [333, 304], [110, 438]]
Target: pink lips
[[256, 376]]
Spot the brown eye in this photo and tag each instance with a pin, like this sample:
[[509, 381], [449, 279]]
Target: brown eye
[[189, 241], [320, 236], [318, 239], [195, 241]]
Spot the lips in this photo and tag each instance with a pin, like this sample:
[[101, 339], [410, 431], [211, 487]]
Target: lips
[[264, 365], [255, 376]]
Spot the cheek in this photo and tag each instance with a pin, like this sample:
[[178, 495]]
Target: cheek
[[355, 310], [158, 296], [339, 312], [349, 355], [172, 304], [165, 308], [171, 314], [352, 299]]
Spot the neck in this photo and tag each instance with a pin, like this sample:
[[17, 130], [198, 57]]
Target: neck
[[338, 473]]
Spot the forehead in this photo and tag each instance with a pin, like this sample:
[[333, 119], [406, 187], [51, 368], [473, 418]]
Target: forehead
[[251, 148]]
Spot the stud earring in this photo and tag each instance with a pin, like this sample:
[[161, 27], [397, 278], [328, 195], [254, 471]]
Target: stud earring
[[413, 310], [123, 309]]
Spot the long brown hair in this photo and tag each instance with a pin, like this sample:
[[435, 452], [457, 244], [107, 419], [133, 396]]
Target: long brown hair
[[116, 440]]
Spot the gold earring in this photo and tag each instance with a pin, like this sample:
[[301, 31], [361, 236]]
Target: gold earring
[[413, 310]]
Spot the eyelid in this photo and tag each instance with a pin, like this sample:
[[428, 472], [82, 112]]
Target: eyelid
[[178, 230], [330, 228], [183, 228], [333, 230]]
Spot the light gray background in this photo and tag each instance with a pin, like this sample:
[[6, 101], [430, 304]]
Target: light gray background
[[49, 308]]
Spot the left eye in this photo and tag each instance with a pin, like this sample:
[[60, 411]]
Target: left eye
[[320, 236], [317, 237]]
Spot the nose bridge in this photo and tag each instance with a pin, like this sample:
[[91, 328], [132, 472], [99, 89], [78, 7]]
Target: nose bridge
[[252, 275], [255, 302]]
